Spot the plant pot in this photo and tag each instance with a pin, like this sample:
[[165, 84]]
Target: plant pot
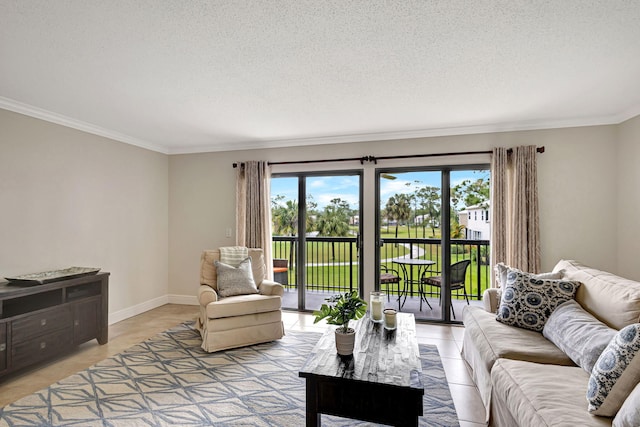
[[345, 341]]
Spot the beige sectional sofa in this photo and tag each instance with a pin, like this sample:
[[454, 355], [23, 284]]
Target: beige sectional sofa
[[523, 378]]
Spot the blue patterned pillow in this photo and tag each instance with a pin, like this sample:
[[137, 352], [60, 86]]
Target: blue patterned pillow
[[616, 372], [528, 301]]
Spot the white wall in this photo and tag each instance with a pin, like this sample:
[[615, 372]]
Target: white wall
[[68, 198], [577, 186], [71, 198], [629, 199]]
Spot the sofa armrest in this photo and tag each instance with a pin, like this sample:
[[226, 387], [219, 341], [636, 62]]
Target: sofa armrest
[[269, 287], [491, 299], [206, 295]]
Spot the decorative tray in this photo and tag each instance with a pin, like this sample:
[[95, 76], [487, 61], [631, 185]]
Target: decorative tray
[[52, 276]]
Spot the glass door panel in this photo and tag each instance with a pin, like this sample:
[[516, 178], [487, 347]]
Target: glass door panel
[[284, 220], [326, 239], [433, 245], [470, 238], [409, 239]]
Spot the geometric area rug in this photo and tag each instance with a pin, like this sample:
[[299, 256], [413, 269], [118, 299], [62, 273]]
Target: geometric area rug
[[168, 380]]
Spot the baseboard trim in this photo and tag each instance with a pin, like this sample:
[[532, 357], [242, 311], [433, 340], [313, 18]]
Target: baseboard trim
[[183, 299], [126, 313], [121, 315]]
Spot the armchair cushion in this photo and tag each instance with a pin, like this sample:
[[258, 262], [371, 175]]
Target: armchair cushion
[[235, 280], [242, 305]]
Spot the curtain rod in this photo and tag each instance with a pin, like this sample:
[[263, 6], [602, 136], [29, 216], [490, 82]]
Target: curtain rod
[[375, 159]]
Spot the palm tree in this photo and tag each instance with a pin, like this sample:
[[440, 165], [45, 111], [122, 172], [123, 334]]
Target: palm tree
[[403, 206], [399, 209], [334, 221], [284, 217], [392, 211]]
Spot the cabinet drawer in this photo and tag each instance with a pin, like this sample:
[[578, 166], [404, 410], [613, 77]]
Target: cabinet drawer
[[41, 348], [41, 323], [3, 346]]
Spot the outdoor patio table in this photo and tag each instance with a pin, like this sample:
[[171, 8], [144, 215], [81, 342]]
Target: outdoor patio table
[[408, 281]]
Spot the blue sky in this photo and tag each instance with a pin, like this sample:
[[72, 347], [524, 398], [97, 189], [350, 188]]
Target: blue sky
[[325, 188]]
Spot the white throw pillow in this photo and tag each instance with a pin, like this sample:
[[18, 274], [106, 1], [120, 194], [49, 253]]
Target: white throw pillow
[[235, 280], [578, 334], [629, 413]]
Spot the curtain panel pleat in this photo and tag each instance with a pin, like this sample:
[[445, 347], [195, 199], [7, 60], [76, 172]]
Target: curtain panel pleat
[[515, 232], [253, 208]]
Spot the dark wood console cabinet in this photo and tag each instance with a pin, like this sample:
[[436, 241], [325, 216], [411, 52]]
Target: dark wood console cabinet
[[40, 322]]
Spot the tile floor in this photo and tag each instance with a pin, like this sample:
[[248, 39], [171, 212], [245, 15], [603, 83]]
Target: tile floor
[[123, 335]]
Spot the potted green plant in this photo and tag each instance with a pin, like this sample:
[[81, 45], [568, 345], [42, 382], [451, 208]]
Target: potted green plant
[[339, 310]]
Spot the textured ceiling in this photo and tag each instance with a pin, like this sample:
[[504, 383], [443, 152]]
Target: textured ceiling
[[189, 76]]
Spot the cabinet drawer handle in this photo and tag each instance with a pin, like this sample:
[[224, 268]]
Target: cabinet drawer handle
[[43, 345], [3, 347], [43, 322], [76, 322]]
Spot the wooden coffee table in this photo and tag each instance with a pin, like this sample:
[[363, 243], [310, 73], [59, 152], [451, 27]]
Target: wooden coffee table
[[381, 383]]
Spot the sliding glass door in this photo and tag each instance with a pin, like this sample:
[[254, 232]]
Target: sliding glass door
[[432, 252], [317, 241]]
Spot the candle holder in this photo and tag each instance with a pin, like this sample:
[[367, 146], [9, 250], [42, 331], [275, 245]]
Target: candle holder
[[390, 321], [376, 305]]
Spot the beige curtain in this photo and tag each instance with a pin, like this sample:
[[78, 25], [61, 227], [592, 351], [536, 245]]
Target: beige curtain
[[515, 234], [253, 208]]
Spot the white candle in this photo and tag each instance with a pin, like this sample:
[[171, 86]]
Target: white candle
[[376, 310], [390, 318]]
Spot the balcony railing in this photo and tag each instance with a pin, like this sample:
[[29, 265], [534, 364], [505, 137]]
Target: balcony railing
[[332, 262]]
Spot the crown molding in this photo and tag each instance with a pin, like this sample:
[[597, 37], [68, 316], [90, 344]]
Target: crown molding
[[412, 134], [18, 107], [39, 113]]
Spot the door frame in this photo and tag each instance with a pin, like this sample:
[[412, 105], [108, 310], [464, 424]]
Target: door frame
[[445, 225], [301, 250]]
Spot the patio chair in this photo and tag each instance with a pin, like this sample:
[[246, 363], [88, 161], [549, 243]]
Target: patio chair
[[389, 277], [458, 278], [281, 271]]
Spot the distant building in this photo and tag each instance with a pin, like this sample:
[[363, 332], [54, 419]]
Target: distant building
[[419, 219], [476, 221]]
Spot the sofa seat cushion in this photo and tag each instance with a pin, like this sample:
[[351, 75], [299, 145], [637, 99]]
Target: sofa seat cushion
[[242, 305], [543, 395], [495, 340]]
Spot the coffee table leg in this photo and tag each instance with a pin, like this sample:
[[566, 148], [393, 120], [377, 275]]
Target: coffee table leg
[[313, 417]]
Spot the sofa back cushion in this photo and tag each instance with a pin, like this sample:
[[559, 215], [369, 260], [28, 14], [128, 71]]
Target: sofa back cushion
[[209, 275], [611, 299]]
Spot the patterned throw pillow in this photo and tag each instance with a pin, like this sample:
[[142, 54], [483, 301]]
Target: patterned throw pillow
[[501, 271], [616, 373], [527, 301], [235, 280]]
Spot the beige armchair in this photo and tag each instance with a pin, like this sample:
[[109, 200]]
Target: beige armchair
[[240, 320]]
